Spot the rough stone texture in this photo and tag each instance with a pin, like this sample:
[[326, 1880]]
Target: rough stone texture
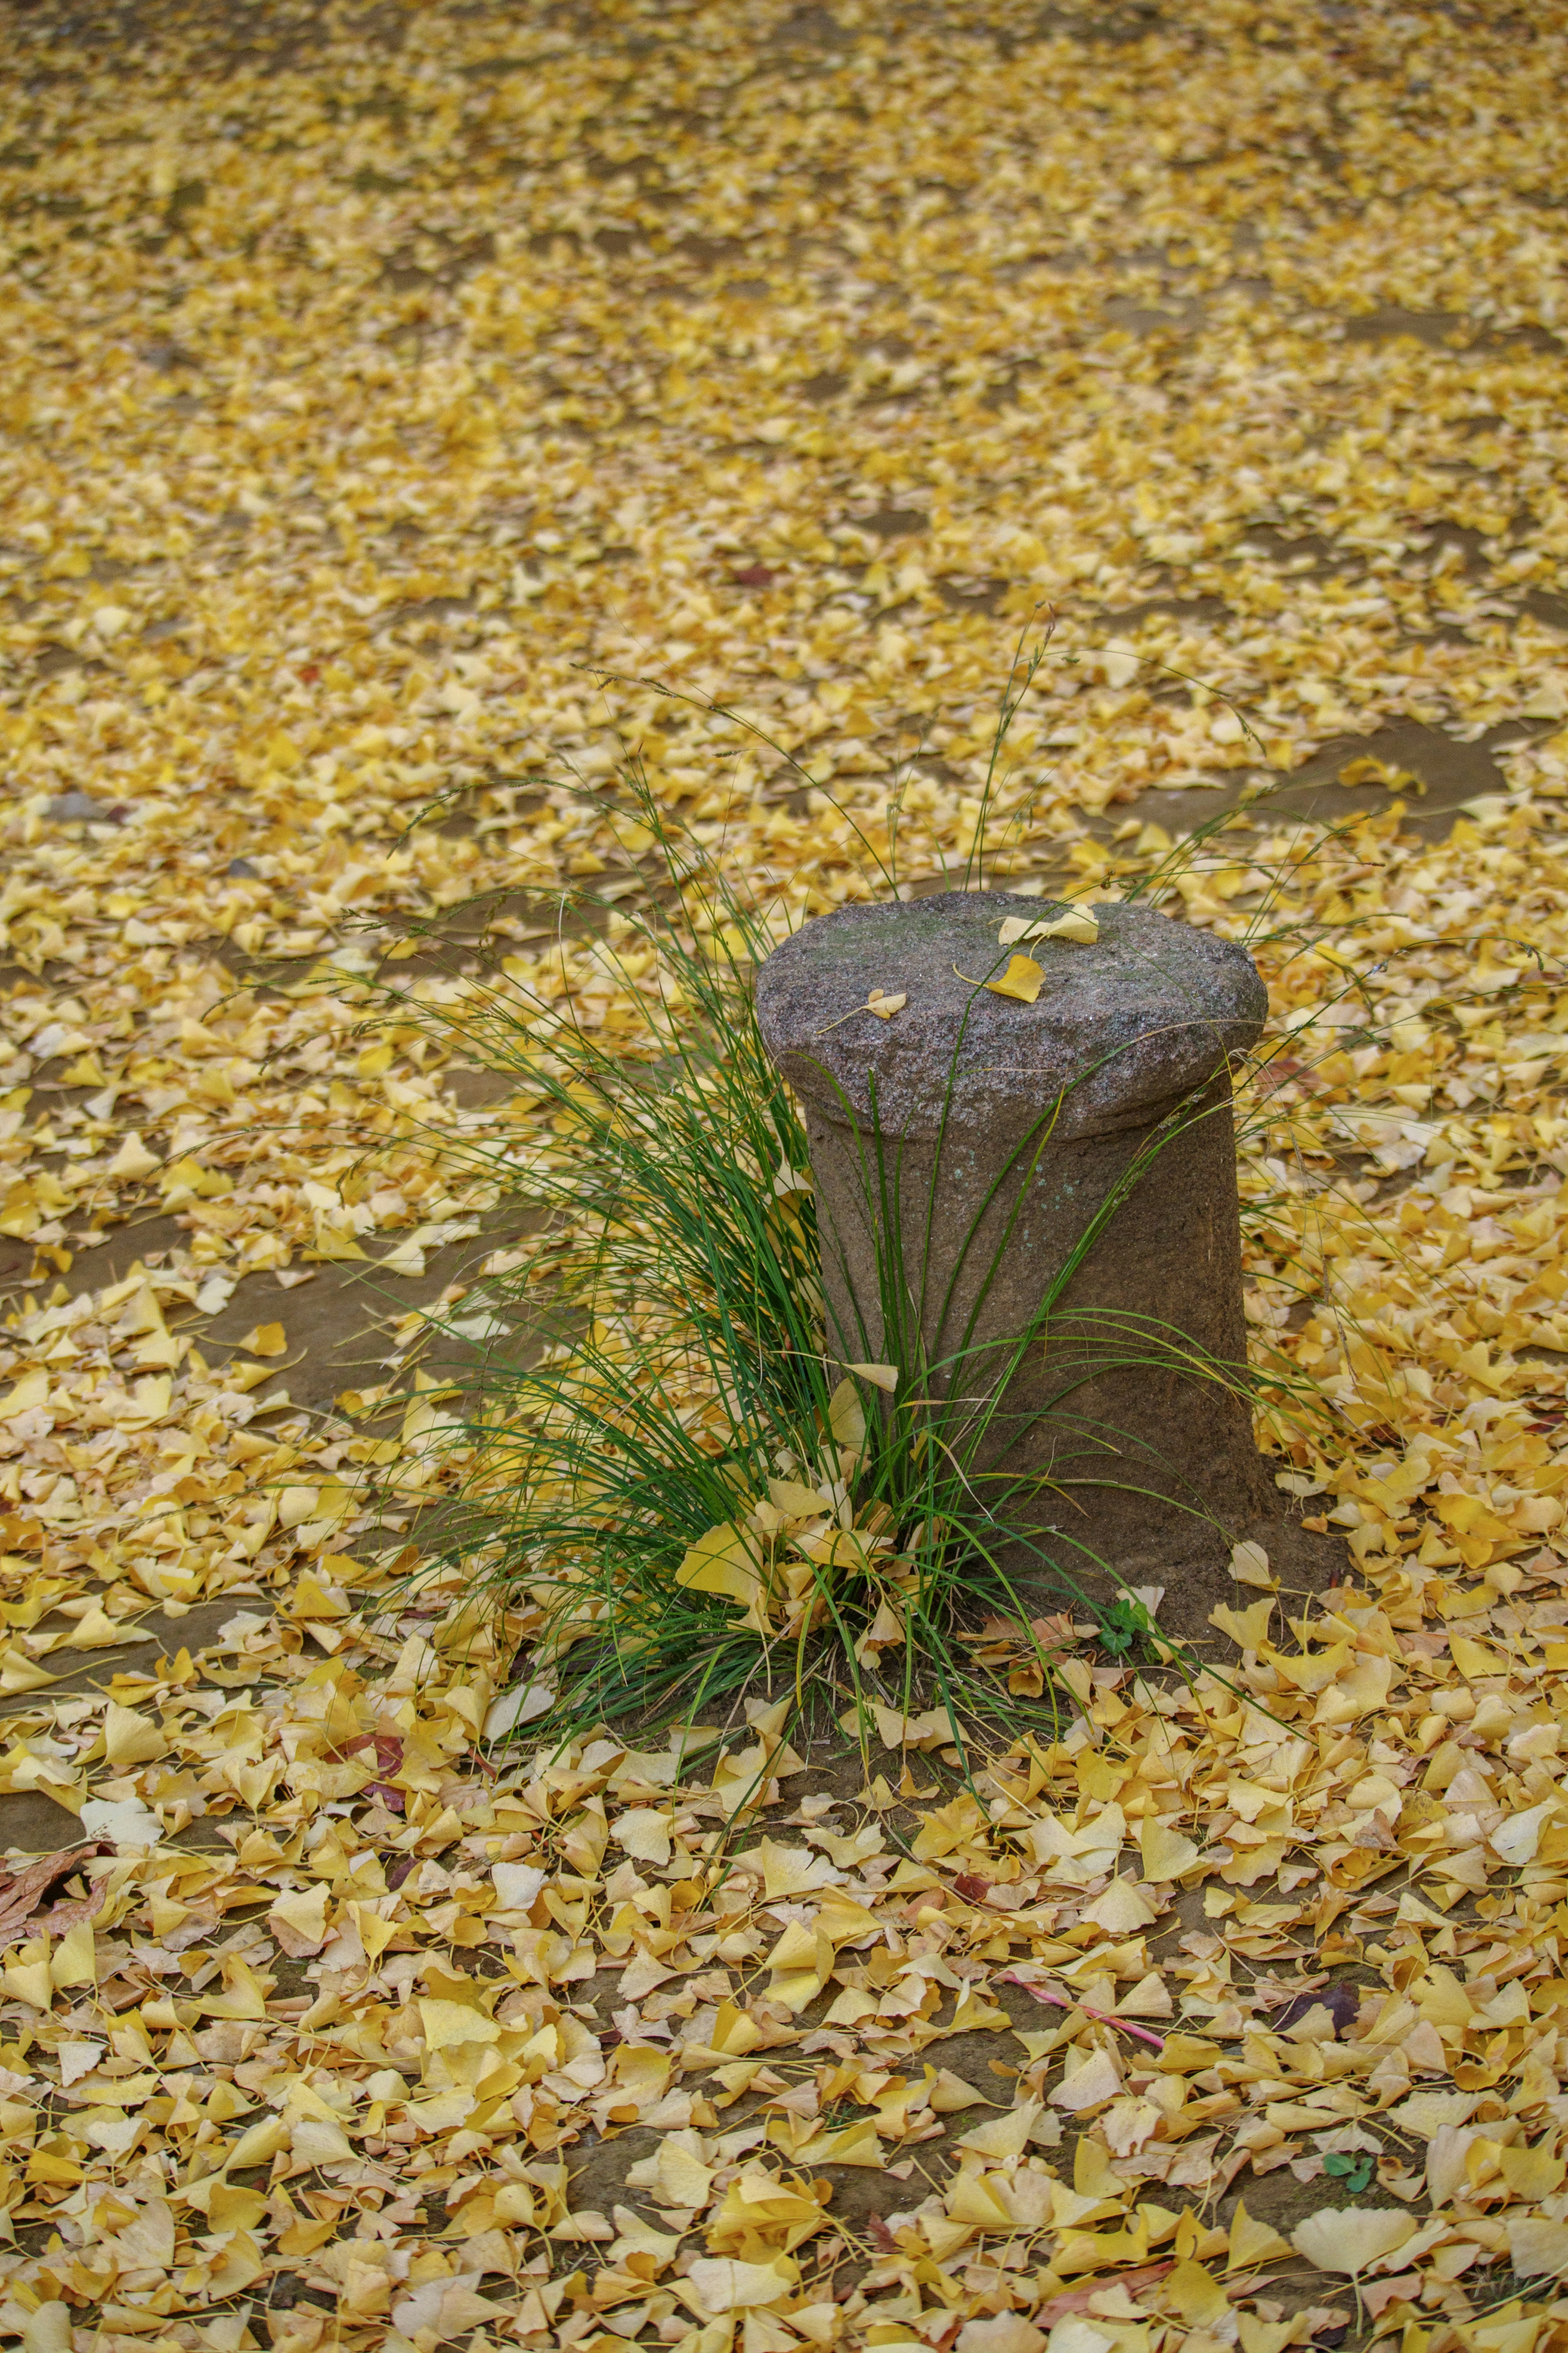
[[1126, 1026], [991, 1136]]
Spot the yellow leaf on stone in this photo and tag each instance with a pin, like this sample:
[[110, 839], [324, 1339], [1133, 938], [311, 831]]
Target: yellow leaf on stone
[[243, 1996], [643, 2071], [1092, 2176], [795, 1948], [1073, 923], [142, 1313], [47, 2328], [1098, 2251], [333, 1247], [303, 2099], [302, 2238], [1022, 981], [317, 2142], [973, 2014], [1150, 1998], [1250, 1799], [265, 1340], [851, 2006], [790, 1870]]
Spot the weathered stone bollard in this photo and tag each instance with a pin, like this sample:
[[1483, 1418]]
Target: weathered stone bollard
[[1046, 1193]]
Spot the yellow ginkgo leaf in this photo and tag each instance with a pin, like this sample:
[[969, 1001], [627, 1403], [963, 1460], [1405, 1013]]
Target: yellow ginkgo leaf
[[1165, 1852], [1072, 923], [1253, 2242], [886, 1377], [877, 1002], [1536, 2249], [1248, 1626], [130, 1738], [847, 1415], [1196, 2295], [1022, 980], [723, 1561], [797, 1501], [1344, 2239], [644, 1833], [1250, 1565]]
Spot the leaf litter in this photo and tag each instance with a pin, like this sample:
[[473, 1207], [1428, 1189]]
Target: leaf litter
[[407, 457]]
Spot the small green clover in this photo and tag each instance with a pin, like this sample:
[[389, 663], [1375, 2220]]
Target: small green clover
[[1124, 1623], [1356, 2172]]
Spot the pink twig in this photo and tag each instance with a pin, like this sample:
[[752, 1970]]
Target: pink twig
[[1044, 1993]]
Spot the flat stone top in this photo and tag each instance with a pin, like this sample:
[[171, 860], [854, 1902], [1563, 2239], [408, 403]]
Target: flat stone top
[[1147, 1013]]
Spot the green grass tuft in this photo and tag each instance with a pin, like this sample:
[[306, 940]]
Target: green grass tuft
[[686, 1494]]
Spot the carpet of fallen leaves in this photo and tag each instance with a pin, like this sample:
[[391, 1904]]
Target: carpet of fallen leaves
[[368, 373]]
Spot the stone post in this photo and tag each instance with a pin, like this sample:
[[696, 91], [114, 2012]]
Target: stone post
[[1046, 1192]]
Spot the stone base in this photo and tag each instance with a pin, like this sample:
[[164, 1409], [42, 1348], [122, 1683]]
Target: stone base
[[1193, 1564], [1028, 1207]]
